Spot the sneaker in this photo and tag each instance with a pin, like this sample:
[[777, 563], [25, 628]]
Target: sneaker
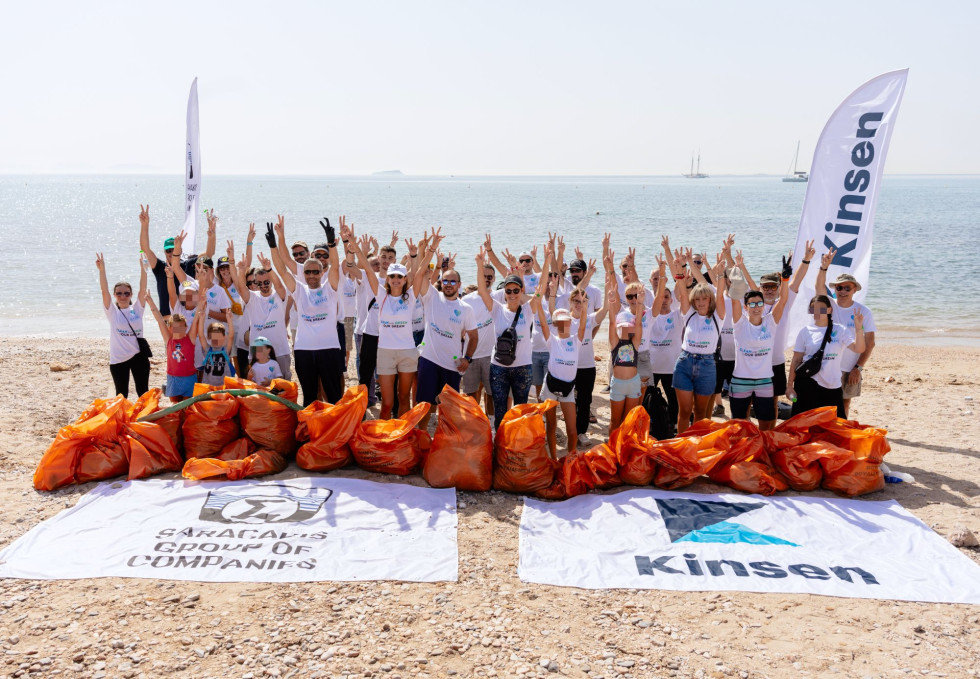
[[604, 390], [719, 411], [583, 440]]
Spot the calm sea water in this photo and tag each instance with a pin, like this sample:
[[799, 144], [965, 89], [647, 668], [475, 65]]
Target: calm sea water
[[926, 231]]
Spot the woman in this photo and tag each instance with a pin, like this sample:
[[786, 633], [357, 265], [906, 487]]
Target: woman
[[397, 353], [242, 339], [823, 388], [126, 325], [578, 302], [514, 376], [754, 333], [694, 372], [665, 346]]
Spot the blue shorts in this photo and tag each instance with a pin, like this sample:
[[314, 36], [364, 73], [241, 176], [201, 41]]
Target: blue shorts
[[695, 372], [539, 366], [432, 377], [181, 386], [620, 390]]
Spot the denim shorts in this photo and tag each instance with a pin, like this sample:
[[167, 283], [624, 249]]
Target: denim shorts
[[620, 390], [695, 372], [181, 386], [539, 366]]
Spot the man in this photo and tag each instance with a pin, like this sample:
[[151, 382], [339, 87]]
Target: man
[[477, 375], [841, 292], [159, 266], [576, 272], [526, 264]]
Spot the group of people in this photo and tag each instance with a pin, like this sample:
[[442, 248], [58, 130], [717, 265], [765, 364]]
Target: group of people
[[412, 327]]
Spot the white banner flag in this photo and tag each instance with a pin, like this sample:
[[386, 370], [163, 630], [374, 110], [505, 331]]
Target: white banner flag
[[652, 539], [841, 195], [290, 530], [192, 172]]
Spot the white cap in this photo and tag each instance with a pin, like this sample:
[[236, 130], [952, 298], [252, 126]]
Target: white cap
[[624, 319], [398, 270], [561, 315]]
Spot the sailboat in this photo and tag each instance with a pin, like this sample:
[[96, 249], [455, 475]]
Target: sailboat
[[696, 174], [797, 175]]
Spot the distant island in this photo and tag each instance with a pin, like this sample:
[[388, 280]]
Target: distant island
[[388, 173]]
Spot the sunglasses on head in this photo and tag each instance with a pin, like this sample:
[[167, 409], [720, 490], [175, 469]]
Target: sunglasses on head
[[633, 296], [512, 291], [843, 288], [123, 293], [754, 305], [525, 260]]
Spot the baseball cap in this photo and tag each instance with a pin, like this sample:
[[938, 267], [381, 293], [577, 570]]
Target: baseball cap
[[260, 342], [223, 261], [561, 315], [577, 264], [168, 244], [397, 270], [769, 278], [207, 261]]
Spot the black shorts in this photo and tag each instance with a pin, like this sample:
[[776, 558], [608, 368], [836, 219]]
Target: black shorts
[[779, 379], [723, 373]]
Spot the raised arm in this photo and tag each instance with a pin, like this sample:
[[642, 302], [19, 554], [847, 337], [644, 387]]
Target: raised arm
[[277, 243], [362, 260], [740, 263], [145, 236], [638, 318], [288, 278], [613, 304], [780, 306], [103, 283], [719, 274], [171, 287], [248, 247], [535, 267], [142, 279], [825, 261], [212, 243], [164, 329], [538, 309], [803, 267], [658, 300], [422, 281], [200, 317], [494, 259], [481, 282], [682, 293], [238, 273]]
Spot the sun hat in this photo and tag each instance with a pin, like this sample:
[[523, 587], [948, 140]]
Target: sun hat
[[847, 278], [773, 278]]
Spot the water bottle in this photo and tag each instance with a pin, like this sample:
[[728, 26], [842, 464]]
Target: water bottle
[[144, 261]]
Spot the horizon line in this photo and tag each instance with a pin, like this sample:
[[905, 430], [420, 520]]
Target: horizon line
[[390, 174]]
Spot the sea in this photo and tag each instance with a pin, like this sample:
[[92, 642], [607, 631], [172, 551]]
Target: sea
[[926, 242]]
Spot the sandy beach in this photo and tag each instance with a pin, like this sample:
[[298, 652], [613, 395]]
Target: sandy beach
[[488, 623]]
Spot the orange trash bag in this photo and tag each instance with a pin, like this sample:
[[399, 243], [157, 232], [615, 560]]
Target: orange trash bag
[[864, 441], [584, 470], [857, 476], [391, 446], [270, 424], [151, 451], [556, 491], [746, 467], [799, 429], [801, 465], [521, 455], [462, 447], [210, 425], [259, 463], [329, 429], [633, 446]]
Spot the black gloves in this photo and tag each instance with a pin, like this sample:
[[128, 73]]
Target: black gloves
[[270, 235], [329, 230], [787, 268]]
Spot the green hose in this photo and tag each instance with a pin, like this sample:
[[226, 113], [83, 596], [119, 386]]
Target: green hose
[[207, 397]]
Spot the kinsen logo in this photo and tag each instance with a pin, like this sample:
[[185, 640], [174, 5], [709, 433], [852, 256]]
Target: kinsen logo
[[706, 521], [266, 503]]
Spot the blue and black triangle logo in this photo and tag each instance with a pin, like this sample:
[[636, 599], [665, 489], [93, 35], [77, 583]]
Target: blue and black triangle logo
[[706, 521]]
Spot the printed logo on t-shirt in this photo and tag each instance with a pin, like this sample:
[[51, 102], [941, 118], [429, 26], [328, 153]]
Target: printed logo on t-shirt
[[212, 294], [626, 354], [670, 320], [178, 353]]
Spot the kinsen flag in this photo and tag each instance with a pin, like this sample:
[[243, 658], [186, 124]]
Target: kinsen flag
[[841, 195], [192, 172], [290, 530]]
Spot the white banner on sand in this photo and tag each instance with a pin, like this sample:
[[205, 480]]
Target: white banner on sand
[[842, 192], [652, 539], [290, 530], [192, 172]]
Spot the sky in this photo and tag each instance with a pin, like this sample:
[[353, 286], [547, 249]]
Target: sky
[[468, 88]]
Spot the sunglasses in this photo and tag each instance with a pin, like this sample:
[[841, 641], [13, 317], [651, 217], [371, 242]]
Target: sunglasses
[[123, 293], [263, 284], [312, 272], [512, 291], [843, 288], [489, 278], [753, 305], [525, 260], [770, 286], [300, 253], [698, 262], [631, 296], [395, 275], [449, 281], [553, 275], [249, 284]]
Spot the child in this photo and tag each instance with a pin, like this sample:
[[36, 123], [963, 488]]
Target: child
[[181, 373], [217, 360], [625, 336], [263, 367]]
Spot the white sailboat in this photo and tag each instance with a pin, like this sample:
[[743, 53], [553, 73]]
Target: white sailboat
[[696, 174], [796, 175]]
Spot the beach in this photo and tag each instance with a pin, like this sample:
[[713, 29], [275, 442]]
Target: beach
[[488, 623]]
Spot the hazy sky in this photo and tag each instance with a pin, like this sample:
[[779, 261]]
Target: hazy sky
[[476, 88]]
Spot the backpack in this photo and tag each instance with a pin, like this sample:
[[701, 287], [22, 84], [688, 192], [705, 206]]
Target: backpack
[[505, 352], [656, 406]]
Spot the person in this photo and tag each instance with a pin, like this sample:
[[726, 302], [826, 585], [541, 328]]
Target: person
[[625, 335], [265, 308], [845, 286], [317, 351], [559, 382], [181, 347], [513, 379], [125, 318], [349, 291], [263, 367], [754, 333], [158, 266], [824, 387], [397, 355], [665, 346], [448, 323], [477, 375], [367, 349], [694, 371], [217, 359], [237, 328], [585, 373], [525, 263], [539, 342]]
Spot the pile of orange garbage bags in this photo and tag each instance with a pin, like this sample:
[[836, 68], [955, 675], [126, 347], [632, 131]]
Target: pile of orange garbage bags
[[235, 436]]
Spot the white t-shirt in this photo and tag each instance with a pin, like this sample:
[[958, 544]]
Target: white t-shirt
[[350, 297], [808, 341], [218, 300], [122, 340], [367, 321], [753, 347], [846, 318], [665, 342], [564, 299], [624, 303], [395, 320], [317, 313], [266, 317], [263, 373], [701, 334], [538, 342], [586, 352], [483, 322], [502, 319], [563, 356], [418, 315], [238, 321], [727, 333], [446, 323], [531, 283], [782, 329]]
